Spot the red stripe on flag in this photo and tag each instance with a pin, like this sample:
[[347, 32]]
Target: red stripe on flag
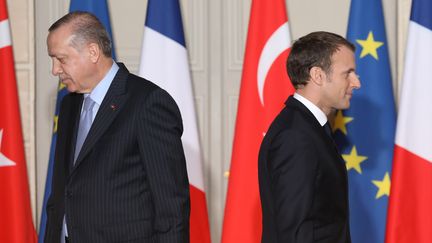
[[199, 225], [410, 209], [3, 10]]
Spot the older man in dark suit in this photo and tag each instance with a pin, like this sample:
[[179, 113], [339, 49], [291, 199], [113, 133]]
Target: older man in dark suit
[[120, 172], [302, 177]]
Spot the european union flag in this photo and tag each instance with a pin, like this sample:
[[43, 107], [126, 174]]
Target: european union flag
[[100, 9], [365, 132]]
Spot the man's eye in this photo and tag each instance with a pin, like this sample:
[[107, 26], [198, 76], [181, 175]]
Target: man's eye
[[354, 74]]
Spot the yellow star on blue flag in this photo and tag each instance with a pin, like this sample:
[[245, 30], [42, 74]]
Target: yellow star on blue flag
[[369, 46], [353, 160], [340, 122], [383, 186]]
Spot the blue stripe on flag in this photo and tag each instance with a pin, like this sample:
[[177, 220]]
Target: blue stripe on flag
[[421, 13], [164, 17]]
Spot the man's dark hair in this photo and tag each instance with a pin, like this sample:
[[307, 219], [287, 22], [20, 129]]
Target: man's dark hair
[[313, 50], [86, 28]]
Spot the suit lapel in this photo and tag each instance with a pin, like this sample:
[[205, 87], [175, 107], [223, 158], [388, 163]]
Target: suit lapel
[[112, 104], [72, 130]]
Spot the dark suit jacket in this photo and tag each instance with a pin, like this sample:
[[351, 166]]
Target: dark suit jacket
[[129, 183], [303, 182]]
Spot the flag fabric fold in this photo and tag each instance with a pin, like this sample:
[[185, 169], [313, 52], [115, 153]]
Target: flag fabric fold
[[411, 196], [365, 132], [264, 88], [16, 223], [164, 61], [100, 9]]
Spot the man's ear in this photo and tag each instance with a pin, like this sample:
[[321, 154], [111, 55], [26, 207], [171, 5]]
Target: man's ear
[[94, 52], [316, 75]]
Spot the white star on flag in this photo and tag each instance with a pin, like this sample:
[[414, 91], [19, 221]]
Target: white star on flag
[[4, 161]]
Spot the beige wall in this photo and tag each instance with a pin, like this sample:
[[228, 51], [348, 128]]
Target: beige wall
[[215, 34]]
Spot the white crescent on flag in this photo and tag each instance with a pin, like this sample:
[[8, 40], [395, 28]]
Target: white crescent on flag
[[278, 42], [4, 161], [5, 39]]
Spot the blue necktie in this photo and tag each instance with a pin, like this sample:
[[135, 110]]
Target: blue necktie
[[84, 124]]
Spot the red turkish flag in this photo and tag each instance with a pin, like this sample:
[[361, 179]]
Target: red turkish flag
[[264, 88], [16, 225]]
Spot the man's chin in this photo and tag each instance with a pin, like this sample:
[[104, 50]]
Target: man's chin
[[344, 106], [71, 89]]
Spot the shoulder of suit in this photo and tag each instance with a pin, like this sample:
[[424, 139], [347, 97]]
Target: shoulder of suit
[[292, 117], [138, 82], [143, 89], [133, 81], [138, 86]]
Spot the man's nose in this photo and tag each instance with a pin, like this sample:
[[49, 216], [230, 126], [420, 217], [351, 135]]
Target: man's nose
[[56, 68], [356, 82]]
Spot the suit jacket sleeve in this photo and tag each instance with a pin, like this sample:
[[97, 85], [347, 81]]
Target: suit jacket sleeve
[[160, 129], [55, 204], [292, 165]]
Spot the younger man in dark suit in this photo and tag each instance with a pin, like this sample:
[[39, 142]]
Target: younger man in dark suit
[[119, 172], [302, 177]]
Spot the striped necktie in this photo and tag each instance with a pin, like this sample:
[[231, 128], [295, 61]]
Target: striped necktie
[[84, 124]]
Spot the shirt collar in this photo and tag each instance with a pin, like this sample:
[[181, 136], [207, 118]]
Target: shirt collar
[[99, 92], [317, 112]]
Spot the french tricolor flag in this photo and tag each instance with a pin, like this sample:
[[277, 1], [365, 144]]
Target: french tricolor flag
[[410, 209], [164, 61]]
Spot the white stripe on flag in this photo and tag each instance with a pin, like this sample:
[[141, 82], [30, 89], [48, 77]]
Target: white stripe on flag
[[165, 62], [414, 128], [5, 39]]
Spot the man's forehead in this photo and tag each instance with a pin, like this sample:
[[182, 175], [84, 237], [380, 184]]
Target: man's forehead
[[342, 51], [60, 35], [58, 47]]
